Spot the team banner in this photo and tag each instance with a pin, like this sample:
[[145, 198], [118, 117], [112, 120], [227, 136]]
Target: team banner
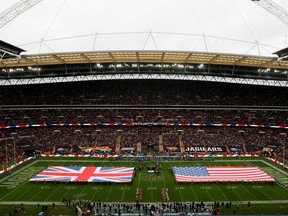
[[84, 174], [205, 149], [172, 148], [140, 124], [89, 149], [127, 148], [220, 174]]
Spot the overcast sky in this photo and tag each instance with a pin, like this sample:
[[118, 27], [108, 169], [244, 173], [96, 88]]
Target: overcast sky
[[224, 26]]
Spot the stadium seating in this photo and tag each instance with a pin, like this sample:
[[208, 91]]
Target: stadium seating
[[147, 103]]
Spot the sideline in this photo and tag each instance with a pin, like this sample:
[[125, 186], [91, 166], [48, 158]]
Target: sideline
[[17, 171], [151, 203], [276, 168], [166, 161]]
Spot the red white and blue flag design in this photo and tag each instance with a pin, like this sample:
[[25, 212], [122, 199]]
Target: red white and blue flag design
[[220, 174], [85, 174]]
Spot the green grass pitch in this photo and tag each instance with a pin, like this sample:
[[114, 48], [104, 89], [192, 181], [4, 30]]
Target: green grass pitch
[[15, 188]]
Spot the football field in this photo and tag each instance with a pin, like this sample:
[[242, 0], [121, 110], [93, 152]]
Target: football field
[[16, 188]]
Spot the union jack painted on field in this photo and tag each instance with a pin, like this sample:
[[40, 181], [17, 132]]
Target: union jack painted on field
[[85, 174]]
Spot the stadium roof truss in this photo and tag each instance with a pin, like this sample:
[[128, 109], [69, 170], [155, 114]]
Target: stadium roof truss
[[69, 67]]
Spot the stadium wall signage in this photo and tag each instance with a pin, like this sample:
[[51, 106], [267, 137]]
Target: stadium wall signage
[[204, 149], [140, 125], [127, 148]]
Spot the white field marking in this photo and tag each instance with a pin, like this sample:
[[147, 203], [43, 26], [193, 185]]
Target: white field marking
[[205, 187], [13, 190], [152, 191], [84, 189], [79, 196], [266, 194], [208, 193], [163, 180], [222, 192], [123, 195], [124, 188], [257, 186], [108, 195], [231, 187], [25, 193], [85, 161], [17, 171], [16, 180], [96, 188], [179, 193], [36, 195], [151, 188], [45, 187], [237, 194], [34, 203], [177, 186], [276, 168], [219, 190], [194, 192], [249, 192], [275, 190], [52, 193], [68, 190], [18, 186]]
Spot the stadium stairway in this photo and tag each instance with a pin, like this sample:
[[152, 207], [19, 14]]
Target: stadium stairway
[[118, 142], [161, 148], [139, 147], [182, 147]]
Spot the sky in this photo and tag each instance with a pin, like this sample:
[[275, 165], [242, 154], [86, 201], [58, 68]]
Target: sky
[[221, 26]]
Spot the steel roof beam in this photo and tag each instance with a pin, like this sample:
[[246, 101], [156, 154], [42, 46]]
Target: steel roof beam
[[16, 10], [147, 76]]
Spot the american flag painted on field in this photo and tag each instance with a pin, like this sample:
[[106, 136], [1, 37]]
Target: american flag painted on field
[[85, 174], [220, 174]]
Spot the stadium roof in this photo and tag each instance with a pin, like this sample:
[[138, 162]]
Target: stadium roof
[[74, 33], [205, 26], [145, 56], [9, 51]]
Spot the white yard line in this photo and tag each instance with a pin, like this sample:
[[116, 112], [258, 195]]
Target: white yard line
[[125, 186], [274, 167], [220, 189], [194, 192], [108, 195], [36, 195], [222, 192], [249, 192], [180, 193], [12, 191], [275, 191], [67, 191], [17, 171], [96, 190], [52, 193]]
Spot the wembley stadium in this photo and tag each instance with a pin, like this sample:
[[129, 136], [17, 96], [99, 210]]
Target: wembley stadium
[[137, 107]]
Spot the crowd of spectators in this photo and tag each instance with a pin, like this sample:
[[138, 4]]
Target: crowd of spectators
[[52, 116], [145, 102], [204, 208], [99, 140], [141, 92]]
